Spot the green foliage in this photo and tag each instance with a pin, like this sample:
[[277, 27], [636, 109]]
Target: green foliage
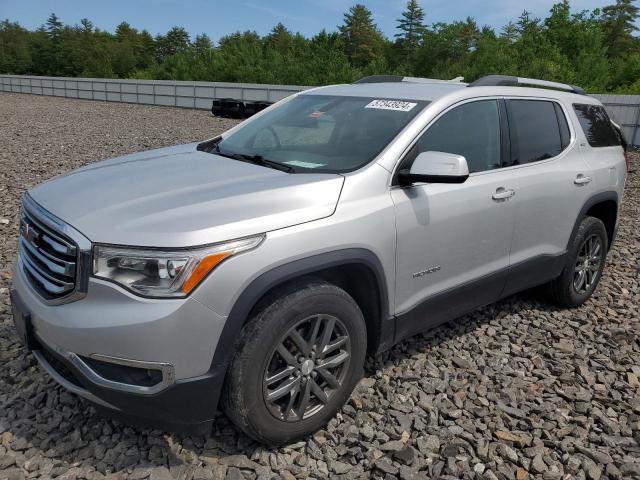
[[595, 49], [363, 42], [412, 31]]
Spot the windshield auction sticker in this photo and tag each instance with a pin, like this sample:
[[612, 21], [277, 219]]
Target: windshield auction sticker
[[391, 105]]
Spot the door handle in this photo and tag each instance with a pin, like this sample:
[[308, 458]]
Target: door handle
[[502, 194], [582, 180]]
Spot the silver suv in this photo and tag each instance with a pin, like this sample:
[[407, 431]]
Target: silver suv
[[257, 269]]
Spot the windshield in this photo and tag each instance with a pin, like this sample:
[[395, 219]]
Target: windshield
[[321, 133]]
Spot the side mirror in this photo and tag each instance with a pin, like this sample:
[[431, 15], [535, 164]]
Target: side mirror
[[435, 167]]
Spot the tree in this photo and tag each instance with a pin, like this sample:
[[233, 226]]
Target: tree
[[202, 45], [87, 26], [362, 40], [54, 25], [595, 49], [509, 32], [411, 26], [176, 40], [618, 23], [280, 38], [15, 51], [579, 39]]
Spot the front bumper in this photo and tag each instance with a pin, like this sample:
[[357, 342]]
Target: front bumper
[[176, 337]]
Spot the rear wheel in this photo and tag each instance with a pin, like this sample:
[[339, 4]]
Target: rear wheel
[[585, 264], [298, 361]]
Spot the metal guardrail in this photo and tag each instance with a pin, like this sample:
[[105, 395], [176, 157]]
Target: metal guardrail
[[625, 109]]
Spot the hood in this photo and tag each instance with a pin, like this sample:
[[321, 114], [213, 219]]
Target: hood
[[179, 196]]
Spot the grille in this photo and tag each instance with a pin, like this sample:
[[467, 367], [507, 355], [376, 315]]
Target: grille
[[49, 258]]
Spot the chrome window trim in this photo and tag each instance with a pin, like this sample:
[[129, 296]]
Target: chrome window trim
[[435, 118], [83, 254]]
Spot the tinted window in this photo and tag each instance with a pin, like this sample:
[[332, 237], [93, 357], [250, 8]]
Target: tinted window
[[322, 133], [535, 132], [596, 125], [471, 130]]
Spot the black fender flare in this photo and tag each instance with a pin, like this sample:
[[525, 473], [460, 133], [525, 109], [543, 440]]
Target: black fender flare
[[297, 268], [591, 201]]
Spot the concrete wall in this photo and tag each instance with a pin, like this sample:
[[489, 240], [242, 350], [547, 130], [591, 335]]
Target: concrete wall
[[148, 92]]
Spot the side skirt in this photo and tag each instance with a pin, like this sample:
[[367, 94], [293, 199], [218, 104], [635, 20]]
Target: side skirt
[[458, 301]]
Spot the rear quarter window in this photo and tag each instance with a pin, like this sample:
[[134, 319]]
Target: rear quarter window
[[596, 125], [535, 130]]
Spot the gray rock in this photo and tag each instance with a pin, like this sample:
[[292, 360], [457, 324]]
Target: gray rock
[[160, 473], [428, 444], [630, 469], [406, 455], [239, 461], [339, 467], [538, 465], [507, 453], [384, 465], [7, 461], [233, 474], [12, 474], [392, 446]]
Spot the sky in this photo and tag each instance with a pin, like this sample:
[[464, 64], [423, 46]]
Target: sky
[[217, 18]]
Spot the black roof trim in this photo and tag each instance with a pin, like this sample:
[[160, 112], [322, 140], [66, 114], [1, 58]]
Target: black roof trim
[[380, 79], [512, 81]]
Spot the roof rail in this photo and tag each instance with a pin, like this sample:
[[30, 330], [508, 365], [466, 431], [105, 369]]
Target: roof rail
[[511, 81], [400, 78], [380, 79]]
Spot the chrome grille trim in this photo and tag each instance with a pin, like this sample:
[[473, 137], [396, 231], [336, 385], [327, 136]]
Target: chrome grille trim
[[52, 285], [53, 255], [56, 265]]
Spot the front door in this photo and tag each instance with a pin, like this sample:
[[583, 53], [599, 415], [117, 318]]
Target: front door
[[453, 240]]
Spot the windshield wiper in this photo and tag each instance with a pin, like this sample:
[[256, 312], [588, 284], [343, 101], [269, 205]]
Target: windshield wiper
[[260, 160], [256, 159]]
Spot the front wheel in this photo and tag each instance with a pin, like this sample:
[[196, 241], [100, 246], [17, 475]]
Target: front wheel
[[586, 259], [298, 361]]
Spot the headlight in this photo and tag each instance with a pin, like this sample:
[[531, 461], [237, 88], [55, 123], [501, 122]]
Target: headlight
[[164, 273]]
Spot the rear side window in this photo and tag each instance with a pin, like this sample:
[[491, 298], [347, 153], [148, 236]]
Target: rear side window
[[596, 125], [536, 131]]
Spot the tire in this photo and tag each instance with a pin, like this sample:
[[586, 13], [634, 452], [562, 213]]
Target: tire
[[270, 349], [564, 289]]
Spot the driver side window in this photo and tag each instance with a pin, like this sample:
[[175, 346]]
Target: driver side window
[[471, 130]]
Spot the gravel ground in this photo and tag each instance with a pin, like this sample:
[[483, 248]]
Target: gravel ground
[[515, 390]]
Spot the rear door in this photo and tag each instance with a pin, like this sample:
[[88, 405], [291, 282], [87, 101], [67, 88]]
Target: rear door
[[553, 183]]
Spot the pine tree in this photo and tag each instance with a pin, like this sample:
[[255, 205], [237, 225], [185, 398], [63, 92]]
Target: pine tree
[[86, 26], [280, 38], [54, 25], [203, 45], [411, 25], [363, 41], [618, 24], [176, 40]]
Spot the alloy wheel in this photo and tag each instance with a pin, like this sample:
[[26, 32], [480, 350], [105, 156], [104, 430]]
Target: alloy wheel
[[587, 266], [306, 368]]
